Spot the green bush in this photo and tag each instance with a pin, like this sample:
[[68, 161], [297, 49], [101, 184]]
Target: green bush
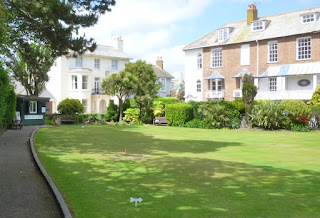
[[112, 113], [159, 104], [215, 114], [239, 105], [178, 114], [70, 107], [296, 111], [93, 118], [267, 115], [80, 118], [301, 127], [7, 99], [131, 114], [195, 123], [235, 119], [315, 101]]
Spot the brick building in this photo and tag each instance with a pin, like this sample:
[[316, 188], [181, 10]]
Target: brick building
[[280, 51]]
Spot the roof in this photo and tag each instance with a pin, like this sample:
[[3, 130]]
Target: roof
[[242, 73], [215, 75], [32, 98], [280, 26], [292, 69], [107, 51], [161, 73]]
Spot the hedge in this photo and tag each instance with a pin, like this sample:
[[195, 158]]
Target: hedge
[[7, 99], [178, 114]]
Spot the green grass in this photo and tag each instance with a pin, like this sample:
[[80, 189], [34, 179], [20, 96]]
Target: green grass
[[180, 172]]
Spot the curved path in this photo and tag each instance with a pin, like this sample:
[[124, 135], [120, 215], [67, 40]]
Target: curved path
[[23, 190]]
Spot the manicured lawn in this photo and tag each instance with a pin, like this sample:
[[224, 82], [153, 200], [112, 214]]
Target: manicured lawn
[[180, 172]]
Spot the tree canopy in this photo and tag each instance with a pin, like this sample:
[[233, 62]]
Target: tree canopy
[[122, 85], [147, 88], [52, 22], [30, 67]]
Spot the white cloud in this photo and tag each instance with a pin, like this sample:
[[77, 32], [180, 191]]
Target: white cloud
[[148, 28]]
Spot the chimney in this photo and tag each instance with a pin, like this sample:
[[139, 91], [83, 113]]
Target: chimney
[[118, 43], [159, 62], [252, 13]]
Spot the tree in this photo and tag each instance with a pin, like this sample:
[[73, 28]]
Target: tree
[[53, 22], [30, 67], [315, 100], [122, 85], [70, 107], [249, 91], [147, 88]]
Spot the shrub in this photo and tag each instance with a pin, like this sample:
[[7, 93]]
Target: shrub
[[7, 99], [112, 113], [93, 118], [159, 105], [178, 114], [296, 110], [195, 123], [70, 107], [300, 127], [215, 114], [315, 101], [239, 105], [79, 118], [267, 115], [235, 119], [131, 114]]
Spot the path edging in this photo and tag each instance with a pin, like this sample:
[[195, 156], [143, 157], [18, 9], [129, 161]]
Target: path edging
[[62, 203]]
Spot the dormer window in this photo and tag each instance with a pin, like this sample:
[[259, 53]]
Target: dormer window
[[259, 25], [309, 18], [224, 33]]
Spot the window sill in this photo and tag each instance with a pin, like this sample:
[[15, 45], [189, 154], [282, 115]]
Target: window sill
[[309, 59], [274, 62], [215, 67]]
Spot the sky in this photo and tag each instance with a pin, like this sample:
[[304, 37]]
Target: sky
[[154, 28]]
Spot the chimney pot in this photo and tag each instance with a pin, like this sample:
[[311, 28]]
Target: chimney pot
[[252, 13]]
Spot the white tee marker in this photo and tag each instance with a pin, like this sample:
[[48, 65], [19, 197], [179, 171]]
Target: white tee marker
[[135, 200]]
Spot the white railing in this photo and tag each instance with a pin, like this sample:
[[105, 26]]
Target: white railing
[[237, 93], [283, 95], [215, 94]]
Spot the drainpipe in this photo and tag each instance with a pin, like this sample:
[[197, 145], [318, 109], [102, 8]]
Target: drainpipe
[[258, 57]]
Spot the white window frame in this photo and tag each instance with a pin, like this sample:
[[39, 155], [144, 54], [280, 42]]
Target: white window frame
[[273, 52], [216, 85], [163, 84], [216, 58], [97, 64], [273, 84], [85, 83], [303, 54], [33, 109], [198, 85], [308, 18], [245, 55], [223, 34], [114, 65], [199, 61], [257, 26], [74, 82], [78, 62], [97, 84]]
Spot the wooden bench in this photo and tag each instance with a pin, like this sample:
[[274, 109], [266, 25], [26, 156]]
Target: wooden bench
[[67, 119], [160, 120]]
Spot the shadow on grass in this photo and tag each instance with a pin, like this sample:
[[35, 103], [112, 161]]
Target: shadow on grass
[[98, 179]]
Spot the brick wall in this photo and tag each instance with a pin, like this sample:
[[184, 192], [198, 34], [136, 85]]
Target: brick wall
[[231, 59]]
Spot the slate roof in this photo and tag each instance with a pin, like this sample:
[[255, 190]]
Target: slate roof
[[281, 25], [108, 51], [161, 73]]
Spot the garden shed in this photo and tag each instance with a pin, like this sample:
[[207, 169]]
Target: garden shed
[[32, 109]]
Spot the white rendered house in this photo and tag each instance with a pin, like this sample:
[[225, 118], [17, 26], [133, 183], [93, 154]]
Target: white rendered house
[[81, 77]]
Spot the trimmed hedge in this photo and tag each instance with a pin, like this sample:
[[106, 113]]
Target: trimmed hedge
[[7, 100], [178, 114], [70, 107]]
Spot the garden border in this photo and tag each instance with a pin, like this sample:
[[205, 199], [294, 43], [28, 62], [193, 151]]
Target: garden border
[[62, 203]]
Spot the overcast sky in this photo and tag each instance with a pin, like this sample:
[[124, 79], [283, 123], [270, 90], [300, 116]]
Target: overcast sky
[[152, 28]]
